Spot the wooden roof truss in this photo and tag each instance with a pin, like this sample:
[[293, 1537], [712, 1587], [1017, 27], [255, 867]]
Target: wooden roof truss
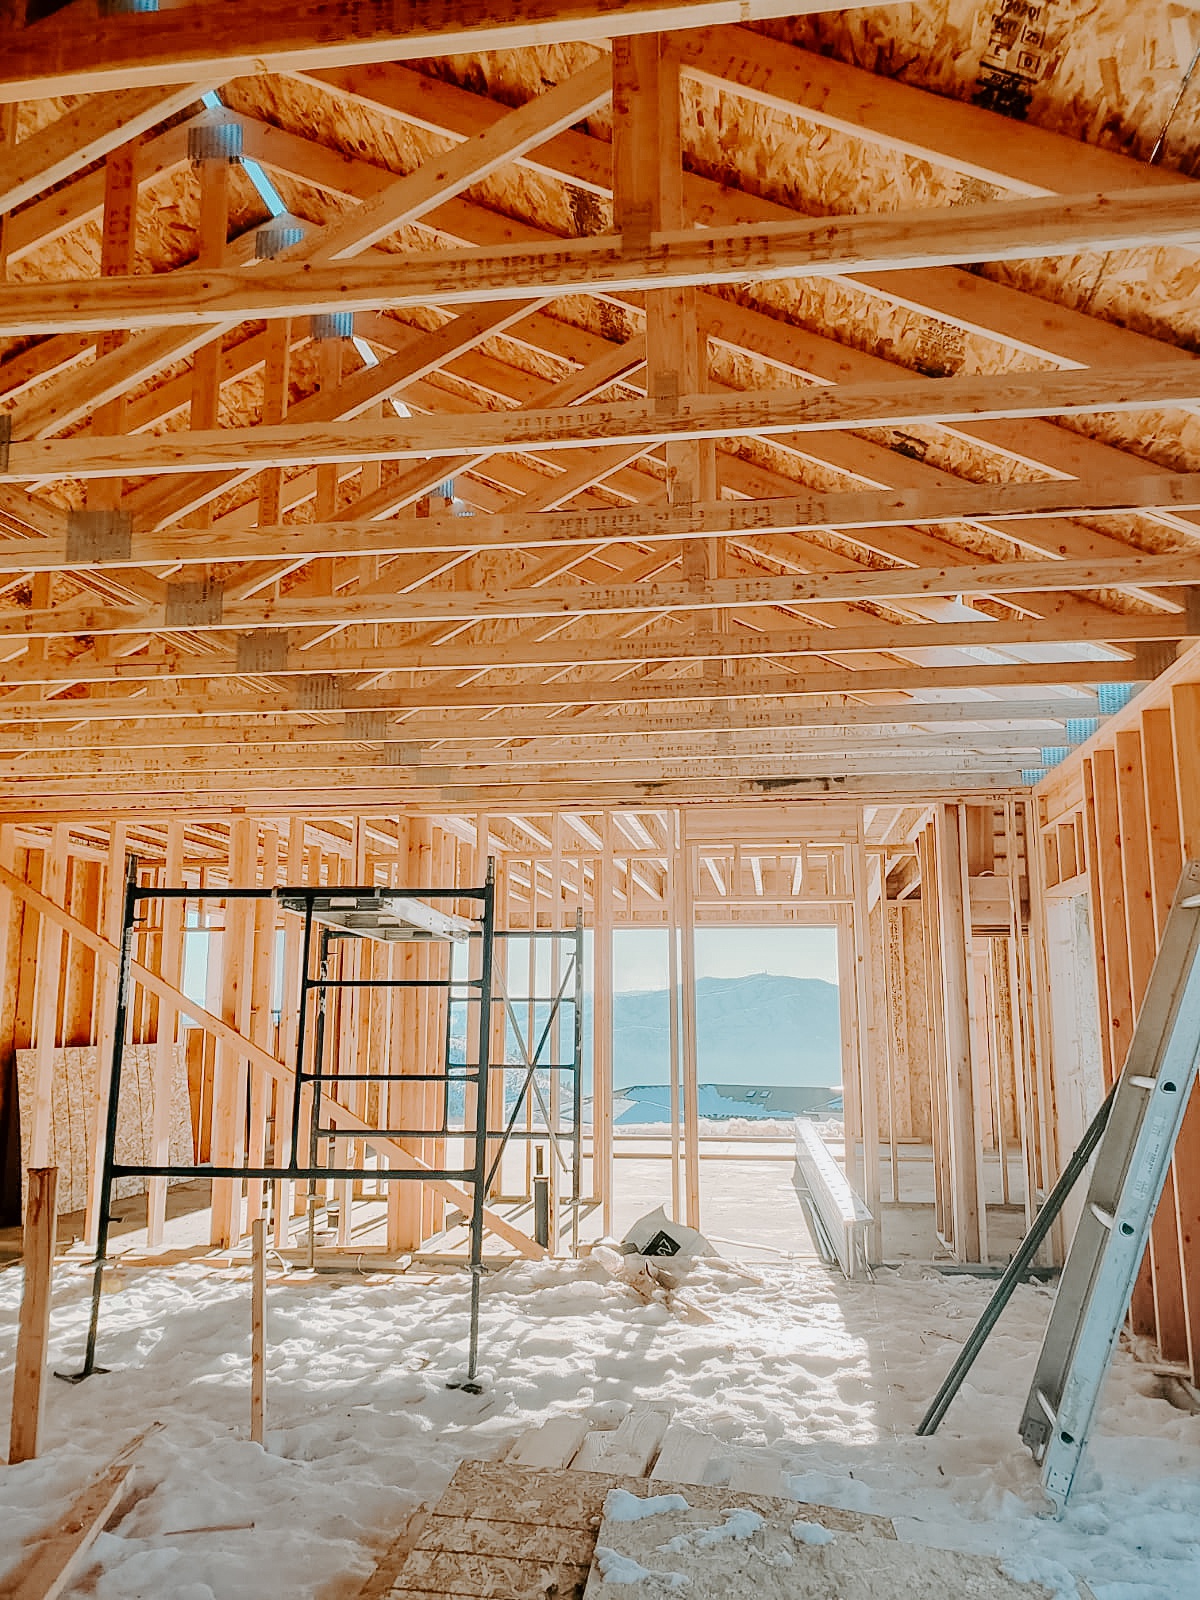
[[390, 424]]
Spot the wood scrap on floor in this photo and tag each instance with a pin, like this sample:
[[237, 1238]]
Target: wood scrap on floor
[[49, 1565], [652, 1278], [629, 1449], [684, 1454], [554, 1444]]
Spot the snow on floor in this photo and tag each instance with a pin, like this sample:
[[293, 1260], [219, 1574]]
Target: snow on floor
[[797, 1370]]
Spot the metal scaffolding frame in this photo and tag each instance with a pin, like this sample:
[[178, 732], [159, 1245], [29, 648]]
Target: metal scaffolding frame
[[540, 1045], [331, 914]]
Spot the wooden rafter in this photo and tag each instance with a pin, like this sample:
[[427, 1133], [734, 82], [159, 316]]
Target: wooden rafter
[[528, 530], [57, 56], [995, 231]]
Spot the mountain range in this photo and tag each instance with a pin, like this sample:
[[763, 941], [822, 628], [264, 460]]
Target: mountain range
[[760, 1029]]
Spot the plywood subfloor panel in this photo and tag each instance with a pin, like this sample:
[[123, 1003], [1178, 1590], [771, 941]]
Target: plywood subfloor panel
[[504, 1532], [696, 1552]]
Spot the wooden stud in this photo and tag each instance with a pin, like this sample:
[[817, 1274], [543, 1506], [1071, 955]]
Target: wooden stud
[[871, 1048], [602, 1025], [675, 1001], [110, 930], [1157, 1306], [285, 1199], [1185, 726], [264, 917], [967, 1209], [229, 1087], [170, 965], [33, 1331], [258, 1331], [50, 954]]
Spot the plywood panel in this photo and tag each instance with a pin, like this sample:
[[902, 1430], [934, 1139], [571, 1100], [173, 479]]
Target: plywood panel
[[74, 1095], [692, 1551]]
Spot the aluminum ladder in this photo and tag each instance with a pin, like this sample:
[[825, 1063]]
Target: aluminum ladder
[[1131, 1164]]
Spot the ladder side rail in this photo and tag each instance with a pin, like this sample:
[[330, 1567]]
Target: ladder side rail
[[1128, 1236], [1148, 1107]]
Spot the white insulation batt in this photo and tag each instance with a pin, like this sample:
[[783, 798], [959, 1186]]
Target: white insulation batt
[[793, 1370]]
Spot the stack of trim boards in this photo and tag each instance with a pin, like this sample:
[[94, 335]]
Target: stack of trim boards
[[1127, 1180]]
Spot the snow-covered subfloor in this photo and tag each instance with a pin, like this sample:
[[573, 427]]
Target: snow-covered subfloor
[[796, 1370]]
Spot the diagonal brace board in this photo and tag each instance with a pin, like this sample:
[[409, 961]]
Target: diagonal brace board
[[1131, 1162]]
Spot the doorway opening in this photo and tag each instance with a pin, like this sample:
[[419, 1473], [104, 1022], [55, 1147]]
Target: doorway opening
[[766, 1047]]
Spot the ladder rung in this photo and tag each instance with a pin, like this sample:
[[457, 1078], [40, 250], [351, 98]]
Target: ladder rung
[[1140, 1082], [1105, 1218], [1051, 1414]]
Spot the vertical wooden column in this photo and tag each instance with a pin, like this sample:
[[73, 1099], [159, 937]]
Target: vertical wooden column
[[229, 1078], [1018, 978], [889, 1017], [848, 1029], [434, 955], [33, 1330], [258, 1331], [405, 1209], [51, 950], [554, 1171], [448, 875], [902, 1070], [355, 956], [12, 913], [289, 1022], [399, 1222], [377, 1027], [264, 917], [1111, 934], [113, 908], [1157, 1306], [79, 983], [503, 976], [474, 1035], [998, 1018], [1033, 992], [1108, 913], [428, 1045], [1164, 857], [173, 913], [1185, 728], [870, 1048], [938, 1112], [970, 1239], [674, 933], [602, 1031], [689, 1056]]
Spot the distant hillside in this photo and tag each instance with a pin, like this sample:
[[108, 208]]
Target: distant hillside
[[760, 1029]]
